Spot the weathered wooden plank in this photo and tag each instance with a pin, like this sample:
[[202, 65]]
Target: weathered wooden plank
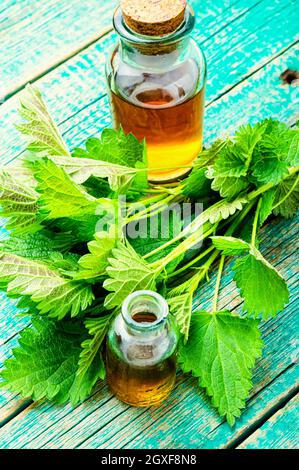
[[113, 424], [279, 432], [79, 82], [36, 36], [26, 31]]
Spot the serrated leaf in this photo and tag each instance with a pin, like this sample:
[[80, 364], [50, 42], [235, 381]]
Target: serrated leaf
[[54, 294], [94, 264], [19, 203], [270, 170], [221, 351], [114, 146], [266, 206], [38, 246], [180, 301], [228, 187], [59, 195], [127, 273], [91, 366], [275, 153], [230, 246], [286, 199], [219, 211], [197, 185], [263, 289], [41, 129], [45, 362], [81, 169]]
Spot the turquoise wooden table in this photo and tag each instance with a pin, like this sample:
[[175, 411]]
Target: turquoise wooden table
[[61, 46]]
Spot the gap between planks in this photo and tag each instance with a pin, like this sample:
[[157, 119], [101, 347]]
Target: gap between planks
[[268, 415], [105, 31], [67, 57]]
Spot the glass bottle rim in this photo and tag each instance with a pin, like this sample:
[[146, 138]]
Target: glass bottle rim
[[131, 36], [161, 315]]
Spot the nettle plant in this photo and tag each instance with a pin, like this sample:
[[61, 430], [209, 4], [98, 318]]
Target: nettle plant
[[71, 279]]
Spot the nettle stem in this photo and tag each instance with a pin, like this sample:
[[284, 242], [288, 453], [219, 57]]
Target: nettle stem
[[287, 194], [255, 222], [218, 282]]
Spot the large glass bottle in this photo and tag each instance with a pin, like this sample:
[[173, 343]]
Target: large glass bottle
[[157, 84], [141, 350]]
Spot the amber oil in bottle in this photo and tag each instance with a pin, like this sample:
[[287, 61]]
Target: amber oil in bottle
[[141, 351], [157, 84]]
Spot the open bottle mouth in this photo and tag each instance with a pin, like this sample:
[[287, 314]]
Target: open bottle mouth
[[133, 37], [145, 310]]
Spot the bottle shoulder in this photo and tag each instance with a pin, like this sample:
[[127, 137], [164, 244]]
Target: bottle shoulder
[[142, 350], [171, 79]]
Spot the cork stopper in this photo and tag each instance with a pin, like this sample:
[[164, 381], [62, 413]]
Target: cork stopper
[[153, 17]]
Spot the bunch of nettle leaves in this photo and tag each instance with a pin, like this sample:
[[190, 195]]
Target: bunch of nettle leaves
[[72, 280]]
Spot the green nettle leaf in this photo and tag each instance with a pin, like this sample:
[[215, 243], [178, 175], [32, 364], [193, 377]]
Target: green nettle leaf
[[275, 153], [114, 146], [127, 272], [264, 290], [197, 185], [221, 351], [266, 206], [117, 148], [224, 209], [270, 170], [293, 147], [286, 199], [95, 263], [38, 246], [230, 162], [54, 294], [45, 362], [91, 366], [180, 301], [228, 187], [208, 156], [82, 229], [120, 178], [230, 246], [59, 195], [40, 128], [19, 203]]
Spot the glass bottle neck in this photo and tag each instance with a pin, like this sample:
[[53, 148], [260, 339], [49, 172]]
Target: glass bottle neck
[[155, 51], [145, 313]]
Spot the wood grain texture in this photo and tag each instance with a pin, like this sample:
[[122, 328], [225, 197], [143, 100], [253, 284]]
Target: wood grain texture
[[247, 44], [281, 431], [102, 421], [35, 36]]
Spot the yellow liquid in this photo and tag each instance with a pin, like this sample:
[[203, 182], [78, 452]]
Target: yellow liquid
[[173, 132]]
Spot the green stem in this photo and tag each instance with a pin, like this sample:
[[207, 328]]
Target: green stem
[[217, 287], [257, 192], [192, 262], [287, 194], [160, 205], [181, 248], [255, 222], [239, 219]]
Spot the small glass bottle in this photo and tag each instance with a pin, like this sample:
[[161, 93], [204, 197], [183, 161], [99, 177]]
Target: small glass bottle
[[141, 350], [156, 78]]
